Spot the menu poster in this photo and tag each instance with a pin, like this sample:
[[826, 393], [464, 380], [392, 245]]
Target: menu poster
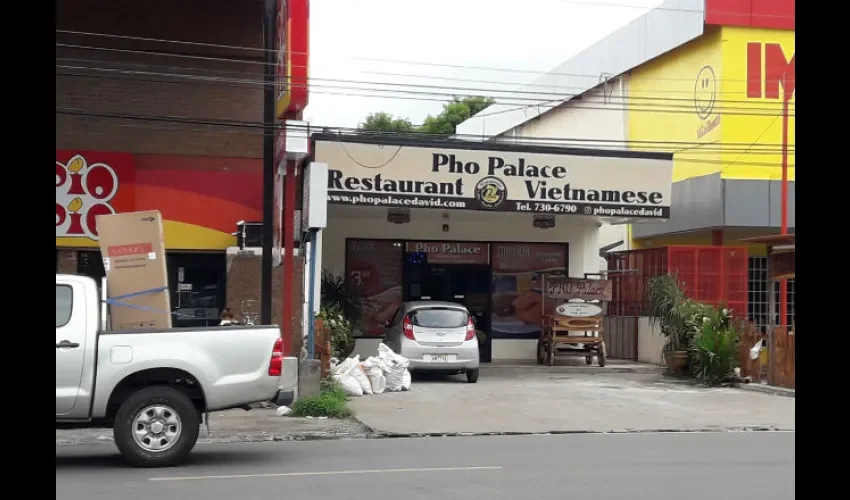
[[374, 267], [517, 298]]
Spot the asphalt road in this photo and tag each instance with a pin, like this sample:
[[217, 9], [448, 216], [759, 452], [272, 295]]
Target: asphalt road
[[660, 466]]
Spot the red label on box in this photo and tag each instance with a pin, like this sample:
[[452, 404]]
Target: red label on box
[[134, 249]]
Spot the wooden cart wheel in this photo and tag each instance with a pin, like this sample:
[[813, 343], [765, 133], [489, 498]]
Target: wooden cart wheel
[[550, 352], [541, 351], [600, 357]]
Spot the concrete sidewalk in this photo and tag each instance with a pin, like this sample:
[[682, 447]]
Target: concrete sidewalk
[[541, 400], [239, 426]]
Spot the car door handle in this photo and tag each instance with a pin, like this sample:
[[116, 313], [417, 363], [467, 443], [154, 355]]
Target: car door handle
[[65, 344]]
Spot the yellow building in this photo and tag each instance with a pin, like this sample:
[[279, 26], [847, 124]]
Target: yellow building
[[724, 103], [704, 79], [727, 141]]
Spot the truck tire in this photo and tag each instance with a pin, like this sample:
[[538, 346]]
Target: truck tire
[[156, 427]]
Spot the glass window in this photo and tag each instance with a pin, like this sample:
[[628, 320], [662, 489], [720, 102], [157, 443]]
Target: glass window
[[439, 318], [64, 304]]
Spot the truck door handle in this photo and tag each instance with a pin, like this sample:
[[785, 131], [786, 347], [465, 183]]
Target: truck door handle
[[65, 344]]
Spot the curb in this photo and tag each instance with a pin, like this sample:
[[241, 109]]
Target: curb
[[593, 370], [371, 433], [768, 389], [395, 435]]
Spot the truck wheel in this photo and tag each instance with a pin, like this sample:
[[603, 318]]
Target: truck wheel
[[156, 427]]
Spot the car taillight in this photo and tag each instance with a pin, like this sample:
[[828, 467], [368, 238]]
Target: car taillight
[[470, 329], [276, 362], [407, 326]]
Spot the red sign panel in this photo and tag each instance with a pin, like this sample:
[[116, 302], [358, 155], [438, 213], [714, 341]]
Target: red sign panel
[[89, 184], [778, 71], [293, 51], [452, 252]]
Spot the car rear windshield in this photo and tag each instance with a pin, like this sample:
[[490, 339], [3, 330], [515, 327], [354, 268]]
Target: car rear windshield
[[438, 318]]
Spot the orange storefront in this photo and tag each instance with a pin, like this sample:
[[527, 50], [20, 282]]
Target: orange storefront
[[201, 200]]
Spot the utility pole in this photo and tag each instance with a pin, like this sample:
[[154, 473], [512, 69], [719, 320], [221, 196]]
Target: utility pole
[[269, 25], [783, 228]]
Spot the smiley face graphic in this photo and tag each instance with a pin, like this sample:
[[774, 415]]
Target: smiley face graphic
[[705, 92]]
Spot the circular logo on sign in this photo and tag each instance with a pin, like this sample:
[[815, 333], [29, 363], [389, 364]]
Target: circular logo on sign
[[705, 92], [491, 192]]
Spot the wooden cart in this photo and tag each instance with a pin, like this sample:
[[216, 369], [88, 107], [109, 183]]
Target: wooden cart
[[561, 336], [572, 328]]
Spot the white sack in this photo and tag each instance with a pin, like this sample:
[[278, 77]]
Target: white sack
[[346, 366], [375, 374], [378, 382], [755, 350], [406, 380], [349, 384], [391, 359], [283, 411], [361, 378]]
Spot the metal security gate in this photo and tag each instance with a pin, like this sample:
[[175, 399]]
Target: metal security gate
[[621, 337]]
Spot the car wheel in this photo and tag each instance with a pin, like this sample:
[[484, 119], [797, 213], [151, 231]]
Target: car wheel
[[156, 427], [472, 376]]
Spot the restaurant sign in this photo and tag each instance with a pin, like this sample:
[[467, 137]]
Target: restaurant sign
[[452, 252], [563, 288], [455, 176]]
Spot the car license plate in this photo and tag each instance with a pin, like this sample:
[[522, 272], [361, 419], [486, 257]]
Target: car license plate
[[440, 358]]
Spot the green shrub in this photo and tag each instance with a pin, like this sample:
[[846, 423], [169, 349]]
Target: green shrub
[[341, 329], [331, 402], [714, 348]]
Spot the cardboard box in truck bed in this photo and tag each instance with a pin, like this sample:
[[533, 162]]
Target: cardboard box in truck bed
[[133, 250]]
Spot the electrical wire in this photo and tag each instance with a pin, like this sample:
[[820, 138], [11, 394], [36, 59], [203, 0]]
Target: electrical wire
[[420, 95], [170, 71], [251, 126], [259, 62]]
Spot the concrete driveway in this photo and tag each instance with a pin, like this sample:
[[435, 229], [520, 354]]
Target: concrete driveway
[[538, 399]]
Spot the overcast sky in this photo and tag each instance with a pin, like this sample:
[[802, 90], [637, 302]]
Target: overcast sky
[[362, 42]]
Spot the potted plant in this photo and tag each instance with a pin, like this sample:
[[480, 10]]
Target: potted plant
[[343, 298], [670, 307]]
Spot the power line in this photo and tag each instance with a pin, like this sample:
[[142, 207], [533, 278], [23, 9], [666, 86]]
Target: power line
[[412, 95], [251, 126], [258, 62], [478, 91], [595, 3]]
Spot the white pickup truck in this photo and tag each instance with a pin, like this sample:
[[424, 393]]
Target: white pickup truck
[[153, 387]]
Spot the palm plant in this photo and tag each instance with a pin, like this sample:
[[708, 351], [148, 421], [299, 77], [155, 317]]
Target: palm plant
[[714, 349], [669, 305], [340, 293]]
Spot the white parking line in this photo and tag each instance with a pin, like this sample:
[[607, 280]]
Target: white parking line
[[327, 473]]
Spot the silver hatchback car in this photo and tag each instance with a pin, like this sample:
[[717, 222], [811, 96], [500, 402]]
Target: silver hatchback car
[[435, 336]]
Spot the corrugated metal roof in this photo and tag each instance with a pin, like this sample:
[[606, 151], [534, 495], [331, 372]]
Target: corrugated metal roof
[[671, 24]]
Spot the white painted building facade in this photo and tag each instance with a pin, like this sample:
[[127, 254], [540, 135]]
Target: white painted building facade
[[597, 119], [390, 196]]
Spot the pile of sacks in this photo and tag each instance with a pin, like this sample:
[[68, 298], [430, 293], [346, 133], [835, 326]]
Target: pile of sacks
[[385, 372]]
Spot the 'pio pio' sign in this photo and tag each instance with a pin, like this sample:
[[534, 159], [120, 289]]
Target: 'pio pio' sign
[[89, 184]]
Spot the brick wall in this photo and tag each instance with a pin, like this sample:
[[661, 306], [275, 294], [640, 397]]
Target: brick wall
[[67, 261], [110, 76], [243, 283]]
